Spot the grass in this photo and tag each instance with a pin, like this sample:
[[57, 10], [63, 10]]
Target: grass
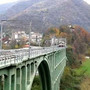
[[84, 67], [85, 85]]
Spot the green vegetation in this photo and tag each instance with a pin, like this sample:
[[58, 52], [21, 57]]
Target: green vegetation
[[84, 67], [77, 78], [70, 80], [85, 85], [36, 84], [72, 58]]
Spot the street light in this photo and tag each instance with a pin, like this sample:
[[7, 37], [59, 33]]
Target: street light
[[15, 20], [1, 36], [2, 30], [30, 37]]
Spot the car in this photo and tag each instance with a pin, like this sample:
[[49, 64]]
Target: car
[[61, 44]]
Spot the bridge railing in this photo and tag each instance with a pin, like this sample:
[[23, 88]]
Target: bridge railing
[[10, 57]]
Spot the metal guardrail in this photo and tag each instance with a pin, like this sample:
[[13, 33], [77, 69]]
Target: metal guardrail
[[15, 56]]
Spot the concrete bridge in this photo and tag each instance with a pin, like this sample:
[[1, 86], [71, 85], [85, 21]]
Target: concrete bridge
[[18, 67]]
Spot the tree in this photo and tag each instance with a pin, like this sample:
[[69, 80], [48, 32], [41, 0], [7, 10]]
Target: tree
[[88, 52], [70, 80], [53, 32]]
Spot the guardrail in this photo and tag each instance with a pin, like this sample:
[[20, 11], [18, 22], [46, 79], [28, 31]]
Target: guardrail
[[10, 57]]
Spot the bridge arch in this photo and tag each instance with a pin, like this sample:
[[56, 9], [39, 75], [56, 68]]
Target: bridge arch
[[44, 72]]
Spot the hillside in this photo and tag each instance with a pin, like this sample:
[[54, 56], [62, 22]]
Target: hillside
[[5, 7], [50, 13], [77, 38]]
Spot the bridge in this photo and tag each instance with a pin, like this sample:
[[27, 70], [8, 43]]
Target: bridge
[[18, 67]]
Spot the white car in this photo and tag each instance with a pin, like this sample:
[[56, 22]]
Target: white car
[[61, 44]]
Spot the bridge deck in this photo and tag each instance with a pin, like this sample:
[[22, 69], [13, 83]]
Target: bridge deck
[[16, 56]]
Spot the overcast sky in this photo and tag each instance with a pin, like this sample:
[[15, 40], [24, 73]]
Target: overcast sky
[[7, 1], [88, 1]]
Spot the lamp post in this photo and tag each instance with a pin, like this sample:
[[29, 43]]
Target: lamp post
[[30, 38], [2, 30], [1, 36]]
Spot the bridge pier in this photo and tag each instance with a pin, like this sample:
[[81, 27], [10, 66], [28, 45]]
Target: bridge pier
[[13, 82], [28, 74], [7, 82], [18, 74], [0, 82]]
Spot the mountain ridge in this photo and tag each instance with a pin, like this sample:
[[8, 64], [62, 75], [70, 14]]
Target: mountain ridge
[[48, 13], [5, 7]]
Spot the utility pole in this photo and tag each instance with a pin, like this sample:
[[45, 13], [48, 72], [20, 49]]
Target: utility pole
[[2, 31], [39, 42], [1, 36], [30, 38]]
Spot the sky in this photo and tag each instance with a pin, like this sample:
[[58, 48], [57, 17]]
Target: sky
[[7, 1], [88, 1]]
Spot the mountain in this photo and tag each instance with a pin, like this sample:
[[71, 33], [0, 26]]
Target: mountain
[[17, 8], [49, 13], [5, 7]]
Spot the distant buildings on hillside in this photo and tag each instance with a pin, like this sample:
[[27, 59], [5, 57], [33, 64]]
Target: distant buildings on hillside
[[35, 37], [19, 35]]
